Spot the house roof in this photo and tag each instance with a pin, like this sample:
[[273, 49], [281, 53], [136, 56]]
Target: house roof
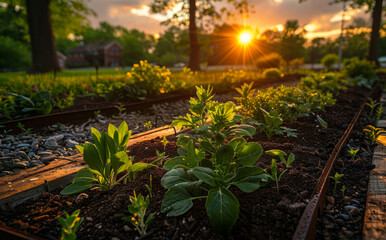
[[93, 46]]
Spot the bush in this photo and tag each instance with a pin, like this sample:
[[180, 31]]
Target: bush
[[329, 60], [272, 73], [152, 79], [354, 67], [13, 54], [272, 60], [296, 63]]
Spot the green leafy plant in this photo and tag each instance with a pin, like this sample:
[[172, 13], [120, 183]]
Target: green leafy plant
[[164, 141], [373, 133], [372, 104], [23, 129], [121, 109], [148, 125], [70, 224], [138, 208], [343, 189], [336, 179], [106, 159], [96, 113], [272, 73], [353, 152], [210, 161], [274, 168], [378, 114]]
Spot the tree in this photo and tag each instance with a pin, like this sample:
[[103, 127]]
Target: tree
[[43, 47], [292, 40], [189, 12]]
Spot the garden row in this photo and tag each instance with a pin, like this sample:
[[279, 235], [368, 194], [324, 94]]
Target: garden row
[[217, 172]]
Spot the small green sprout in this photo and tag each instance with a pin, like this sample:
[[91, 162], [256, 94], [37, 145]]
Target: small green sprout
[[336, 179], [148, 125], [353, 152], [70, 224], [343, 189], [281, 155], [150, 186], [96, 113], [121, 108], [164, 141], [138, 208], [372, 104], [373, 133], [274, 173], [23, 129]]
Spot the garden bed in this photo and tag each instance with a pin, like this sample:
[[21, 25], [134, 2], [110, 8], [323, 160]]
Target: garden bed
[[264, 214]]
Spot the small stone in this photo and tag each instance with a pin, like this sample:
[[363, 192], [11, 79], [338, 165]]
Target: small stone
[[23, 145], [23, 155], [35, 163], [355, 202], [296, 209], [355, 211], [89, 219], [304, 193], [71, 143], [58, 137], [346, 198], [126, 228], [119, 215], [20, 165], [340, 222], [330, 199], [284, 203], [343, 216], [44, 153], [115, 238], [363, 189], [31, 154], [80, 198], [48, 158], [349, 207], [51, 143], [330, 226]]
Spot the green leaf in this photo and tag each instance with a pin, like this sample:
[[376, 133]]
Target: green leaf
[[174, 177], [205, 174], [91, 157], [222, 208], [248, 178], [174, 162], [177, 201], [277, 153], [76, 187], [274, 168], [250, 154], [237, 144], [224, 155], [321, 121], [243, 130]]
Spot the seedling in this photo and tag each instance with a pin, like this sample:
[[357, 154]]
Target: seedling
[[372, 104], [23, 129], [138, 208], [353, 152], [150, 186], [336, 179], [321, 121], [70, 224], [274, 173], [96, 113], [281, 155], [343, 189], [373, 133], [164, 141], [148, 125], [378, 114], [121, 108]]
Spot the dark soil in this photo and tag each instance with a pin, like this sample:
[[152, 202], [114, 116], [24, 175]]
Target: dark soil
[[264, 214]]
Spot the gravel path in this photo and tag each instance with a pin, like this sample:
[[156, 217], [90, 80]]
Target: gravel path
[[20, 151]]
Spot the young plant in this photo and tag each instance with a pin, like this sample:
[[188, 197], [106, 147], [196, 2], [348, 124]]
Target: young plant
[[23, 129], [164, 141], [272, 123], [106, 159], [343, 189], [372, 104], [70, 224], [274, 168], [138, 208], [373, 133], [378, 114], [211, 161], [353, 152], [321, 121], [148, 125], [96, 113], [121, 108], [336, 179]]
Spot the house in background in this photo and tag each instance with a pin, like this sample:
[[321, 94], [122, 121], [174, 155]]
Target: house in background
[[100, 54], [61, 59]]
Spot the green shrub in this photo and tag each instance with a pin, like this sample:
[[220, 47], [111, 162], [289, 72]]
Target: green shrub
[[272, 60], [360, 72], [272, 73], [329, 60], [296, 63]]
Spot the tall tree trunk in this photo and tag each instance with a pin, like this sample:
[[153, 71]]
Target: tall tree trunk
[[374, 40], [43, 47], [194, 56]]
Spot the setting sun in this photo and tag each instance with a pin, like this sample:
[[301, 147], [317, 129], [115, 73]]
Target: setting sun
[[245, 37]]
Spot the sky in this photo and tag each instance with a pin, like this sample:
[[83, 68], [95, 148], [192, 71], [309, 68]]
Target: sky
[[318, 17]]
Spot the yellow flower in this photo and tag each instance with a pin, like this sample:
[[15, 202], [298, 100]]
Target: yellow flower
[[136, 223], [133, 219], [135, 214]]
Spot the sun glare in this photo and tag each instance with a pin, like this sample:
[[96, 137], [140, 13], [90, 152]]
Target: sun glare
[[245, 37]]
